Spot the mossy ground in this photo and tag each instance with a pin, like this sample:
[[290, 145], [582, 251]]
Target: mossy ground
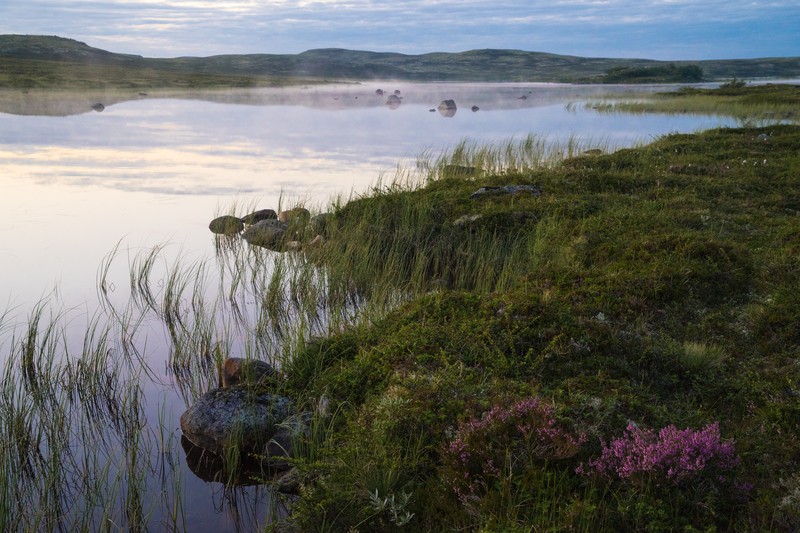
[[657, 285]]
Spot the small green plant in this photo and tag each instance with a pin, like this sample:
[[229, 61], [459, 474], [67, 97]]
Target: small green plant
[[394, 506]]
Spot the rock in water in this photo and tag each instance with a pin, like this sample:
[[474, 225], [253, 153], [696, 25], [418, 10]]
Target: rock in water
[[267, 233], [236, 370], [258, 216], [226, 225], [235, 417]]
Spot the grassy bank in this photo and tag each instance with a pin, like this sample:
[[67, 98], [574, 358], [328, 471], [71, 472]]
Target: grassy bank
[[653, 289], [749, 104]]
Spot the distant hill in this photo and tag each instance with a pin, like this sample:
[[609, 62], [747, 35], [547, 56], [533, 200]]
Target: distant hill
[[48, 60]]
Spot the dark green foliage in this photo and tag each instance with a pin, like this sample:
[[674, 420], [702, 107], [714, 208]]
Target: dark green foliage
[[656, 74], [656, 284]]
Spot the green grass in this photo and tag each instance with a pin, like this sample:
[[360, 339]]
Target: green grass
[[749, 104]]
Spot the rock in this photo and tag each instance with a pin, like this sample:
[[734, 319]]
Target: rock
[[523, 97], [397, 92], [214, 468], [98, 107], [226, 225], [287, 432], [379, 92], [240, 416], [475, 108], [393, 102], [267, 233], [295, 215], [289, 482], [258, 216], [448, 108], [431, 110], [593, 151], [507, 189], [236, 371], [320, 224]]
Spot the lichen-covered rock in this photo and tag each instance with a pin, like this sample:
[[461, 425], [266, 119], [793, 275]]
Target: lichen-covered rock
[[236, 371], [267, 233], [295, 215], [226, 225], [258, 216], [239, 417]]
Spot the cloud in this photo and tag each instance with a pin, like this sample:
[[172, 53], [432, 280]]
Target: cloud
[[667, 29]]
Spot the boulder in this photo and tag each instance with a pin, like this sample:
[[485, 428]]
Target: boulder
[[393, 102], [448, 108], [288, 431], [240, 417], [475, 108], [268, 233], [320, 224], [226, 225], [258, 216], [236, 371], [295, 215], [98, 107]]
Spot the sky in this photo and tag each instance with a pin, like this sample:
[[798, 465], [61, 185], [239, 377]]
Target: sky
[[651, 29]]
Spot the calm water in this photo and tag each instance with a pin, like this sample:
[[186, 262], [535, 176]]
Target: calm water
[[155, 169]]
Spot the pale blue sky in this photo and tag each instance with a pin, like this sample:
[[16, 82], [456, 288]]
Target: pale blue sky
[[655, 29]]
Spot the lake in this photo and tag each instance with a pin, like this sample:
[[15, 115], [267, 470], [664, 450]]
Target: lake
[[151, 170]]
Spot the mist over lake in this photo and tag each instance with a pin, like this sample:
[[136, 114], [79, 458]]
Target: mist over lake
[[146, 170]]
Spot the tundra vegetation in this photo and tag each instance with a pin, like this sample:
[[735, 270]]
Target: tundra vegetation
[[617, 350]]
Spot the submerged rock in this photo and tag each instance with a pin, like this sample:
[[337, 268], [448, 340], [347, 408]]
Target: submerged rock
[[268, 233], [226, 225], [238, 417], [393, 102], [448, 108], [258, 216], [236, 370]]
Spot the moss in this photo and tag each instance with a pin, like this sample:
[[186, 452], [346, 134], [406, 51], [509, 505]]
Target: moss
[[654, 285]]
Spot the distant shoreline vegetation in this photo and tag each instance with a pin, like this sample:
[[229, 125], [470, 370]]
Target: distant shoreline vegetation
[[30, 61]]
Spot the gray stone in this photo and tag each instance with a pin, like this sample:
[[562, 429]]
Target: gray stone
[[235, 417], [296, 215], [226, 225], [267, 233], [393, 102], [320, 224], [448, 108], [258, 216], [288, 431], [236, 371]]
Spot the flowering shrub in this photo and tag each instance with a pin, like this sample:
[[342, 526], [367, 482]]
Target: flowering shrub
[[670, 456], [502, 444]]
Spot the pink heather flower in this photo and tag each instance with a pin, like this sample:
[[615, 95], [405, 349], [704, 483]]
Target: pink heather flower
[[503, 440], [672, 455]]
